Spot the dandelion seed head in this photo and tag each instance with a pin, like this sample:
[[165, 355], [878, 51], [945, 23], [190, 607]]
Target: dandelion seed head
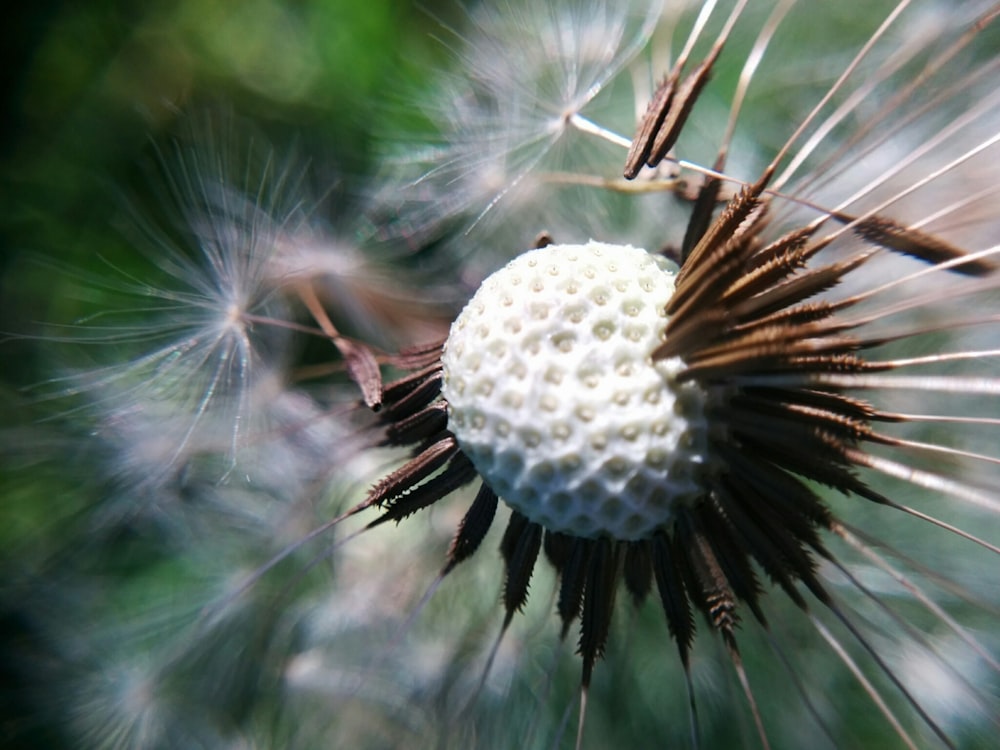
[[553, 393]]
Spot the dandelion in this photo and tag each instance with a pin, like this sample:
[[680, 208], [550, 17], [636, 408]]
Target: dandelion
[[676, 433]]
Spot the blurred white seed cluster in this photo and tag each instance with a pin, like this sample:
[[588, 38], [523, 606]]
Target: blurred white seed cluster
[[256, 627]]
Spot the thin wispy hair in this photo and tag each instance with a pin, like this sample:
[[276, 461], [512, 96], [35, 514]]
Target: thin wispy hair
[[515, 107]]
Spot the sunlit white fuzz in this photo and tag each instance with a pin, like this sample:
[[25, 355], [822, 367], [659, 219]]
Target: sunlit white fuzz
[[192, 335], [514, 109], [198, 318]]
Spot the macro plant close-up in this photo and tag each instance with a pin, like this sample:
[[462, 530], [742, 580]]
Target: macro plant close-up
[[503, 374]]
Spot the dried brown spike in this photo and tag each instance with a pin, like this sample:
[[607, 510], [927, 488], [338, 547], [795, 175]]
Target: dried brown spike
[[794, 316], [894, 236], [789, 242], [714, 267], [515, 525], [764, 276], [638, 570], [849, 407], [363, 369], [523, 539], [413, 472], [731, 555], [782, 550], [774, 361], [424, 425], [821, 457], [667, 114], [574, 575], [798, 508], [426, 390], [556, 546], [738, 504], [473, 528], [711, 586], [679, 110], [703, 293], [399, 388], [458, 473], [673, 595], [828, 363], [737, 219], [701, 215], [650, 124], [798, 349], [785, 415], [598, 604], [685, 334]]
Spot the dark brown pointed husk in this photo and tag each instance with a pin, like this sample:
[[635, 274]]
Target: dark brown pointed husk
[[473, 528], [520, 546], [598, 602], [415, 416]]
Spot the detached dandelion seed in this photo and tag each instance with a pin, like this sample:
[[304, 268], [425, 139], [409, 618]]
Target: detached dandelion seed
[[204, 343], [210, 327]]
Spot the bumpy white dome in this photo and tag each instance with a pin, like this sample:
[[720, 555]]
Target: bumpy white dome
[[553, 394]]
